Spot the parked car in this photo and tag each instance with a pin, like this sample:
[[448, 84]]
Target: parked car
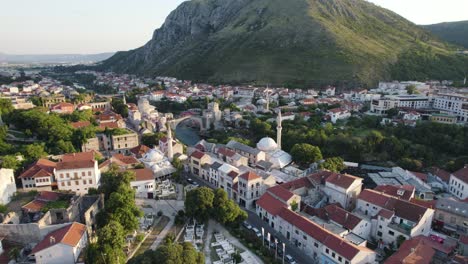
[[289, 259], [257, 232], [247, 225], [189, 180]]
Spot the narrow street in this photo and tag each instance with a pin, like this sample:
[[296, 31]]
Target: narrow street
[[255, 221]]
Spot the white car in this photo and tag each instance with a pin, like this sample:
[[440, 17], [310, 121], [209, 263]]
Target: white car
[[290, 259], [247, 225], [257, 232]]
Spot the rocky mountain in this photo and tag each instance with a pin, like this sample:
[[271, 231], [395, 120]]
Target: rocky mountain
[[453, 32], [295, 42]]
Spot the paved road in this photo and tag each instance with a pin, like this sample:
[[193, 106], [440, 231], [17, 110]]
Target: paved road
[[256, 221]]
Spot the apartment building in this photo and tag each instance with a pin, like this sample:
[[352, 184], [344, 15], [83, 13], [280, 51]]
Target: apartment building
[[251, 186], [381, 106], [314, 240], [197, 159], [452, 215], [454, 104], [253, 155], [393, 217], [458, 184], [78, 172]]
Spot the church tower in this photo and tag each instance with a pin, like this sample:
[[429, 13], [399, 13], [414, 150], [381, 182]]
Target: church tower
[[170, 152], [278, 129]]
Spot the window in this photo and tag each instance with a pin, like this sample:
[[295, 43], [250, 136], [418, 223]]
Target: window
[[83, 173], [63, 184], [75, 174], [380, 227], [333, 255], [84, 181], [346, 262], [379, 233], [68, 175], [77, 183], [316, 245], [391, 232], [69, 183], [327, 250], [89, 173], [304, 237], [340, 259], [90, 181], [297, 232], [61, 175]]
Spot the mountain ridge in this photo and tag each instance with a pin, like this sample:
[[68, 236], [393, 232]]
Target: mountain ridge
[[295, 43], [454, 32]]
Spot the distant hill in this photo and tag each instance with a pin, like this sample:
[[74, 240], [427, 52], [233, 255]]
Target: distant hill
[[294, 43], [55, 58], [453, 32]]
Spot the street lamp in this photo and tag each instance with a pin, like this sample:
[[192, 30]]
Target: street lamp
[[263, 236], [268, 237], [284, 252], [276, 248]]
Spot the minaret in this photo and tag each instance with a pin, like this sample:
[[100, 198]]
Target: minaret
[[170, 152], [278, 129], [268, 101]]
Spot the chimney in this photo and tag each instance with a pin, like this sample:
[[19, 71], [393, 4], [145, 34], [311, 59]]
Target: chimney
[[52, 240]]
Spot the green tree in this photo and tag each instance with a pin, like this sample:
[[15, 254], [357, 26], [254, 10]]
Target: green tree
[[225, 210], [294, 205], [119, 107], [10, 162], [305, 154], [152, 140], [111, 240], [198, 203], [5, 107], [411, 89], [35, 151], [335, 164]]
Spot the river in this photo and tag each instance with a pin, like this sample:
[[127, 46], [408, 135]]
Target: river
[[187, 135]]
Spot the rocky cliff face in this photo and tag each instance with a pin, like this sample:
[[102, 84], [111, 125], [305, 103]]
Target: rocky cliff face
[[294, 42]]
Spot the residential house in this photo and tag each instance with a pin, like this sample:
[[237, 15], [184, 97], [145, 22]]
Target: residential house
[[336, 114], [7, 185], [228, 178], [254, 155], [139, 151], [78, 172], [197, 159], [459, 183], [341, 188], [39, 176], [251, 186], [144, 183], [392, 217], [124, 162], [62, 246], [451, 215], [62, 108], [315, 241]]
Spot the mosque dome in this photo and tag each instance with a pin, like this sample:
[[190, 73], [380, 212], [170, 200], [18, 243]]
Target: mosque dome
[[267, 144], [153, 155]]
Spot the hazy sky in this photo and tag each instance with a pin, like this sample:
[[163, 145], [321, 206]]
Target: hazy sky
[[92, 26]]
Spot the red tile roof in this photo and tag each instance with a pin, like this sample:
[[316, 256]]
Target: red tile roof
[[69, 235], [249, 176], [407, 190], [139, 150], [226, 152], [420, 175], [462, 174], [76, 161], [269, 203], [402, 208], [298, 183], [428, 204], [48, 196], [387, 214], [80, 124], [281, 193], [197, 154], [40, 168], [125, 160], [342, 180], [442, 174], [419, 249], [110, 125], [34, 206], [143, 174]]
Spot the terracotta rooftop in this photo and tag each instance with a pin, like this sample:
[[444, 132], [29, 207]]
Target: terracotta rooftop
[[342, 180], [280, 192], [80, 124], [233, 174], [34, 206], [403, 192], [40, 168], [442, 174], [197, 154], [143, 174], [420, 175], [125, 160], [69, 235], [338, 215], [269, 203], [249, 176], [110, 125], [139, 150], [76, 161], [462, 174]]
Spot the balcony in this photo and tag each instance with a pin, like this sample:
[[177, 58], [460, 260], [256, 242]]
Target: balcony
[[402, 228]]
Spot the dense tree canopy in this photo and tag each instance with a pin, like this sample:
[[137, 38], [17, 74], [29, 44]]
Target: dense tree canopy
[[305, 154]]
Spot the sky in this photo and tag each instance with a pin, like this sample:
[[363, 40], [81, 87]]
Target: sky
[[94, 26]]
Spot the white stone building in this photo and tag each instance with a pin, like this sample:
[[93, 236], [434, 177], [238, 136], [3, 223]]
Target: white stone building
[[458, 184], [7, 185], [78, 172]]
